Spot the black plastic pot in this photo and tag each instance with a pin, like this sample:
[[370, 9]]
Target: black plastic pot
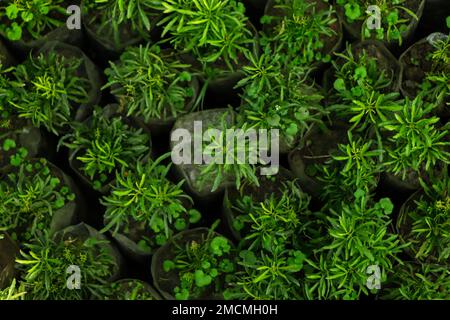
[[6, 59], [317, 147], [332, 44], [83, 232], [385, 61], [411, 75], [72, 212], [160, 128], [61, 34], [103, 45], [354, 29], [128, 241], [109, 111], [73, 37], [69, 213], [223, 84], [8, 252], [266, 188], [166, 282], [397, 184], [88, 70], [404, 223], [190, 172]]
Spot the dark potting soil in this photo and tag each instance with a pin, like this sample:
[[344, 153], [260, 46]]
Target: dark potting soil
[[416, 65]]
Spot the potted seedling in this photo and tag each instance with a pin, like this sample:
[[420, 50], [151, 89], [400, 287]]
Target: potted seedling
[[112, 26], [193, 265], [275, 229], [58, 85], [424, 220], [337, 167], [102, 144], [393, 22], [29, 24], [361, 69], [46, 263], [415, 144], [37, 195], [307, 31], [8, 252], [425, 281], [279, 95], [216, 33], [277, 201], [358, 237], [16, 132], [209, 135], [131, 289], [236, 201], [144, 209], [153, 86], [425, 70], [318, 144], [258, 279], [365, 83]]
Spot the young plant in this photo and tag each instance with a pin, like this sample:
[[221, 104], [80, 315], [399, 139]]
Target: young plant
[[429, 232], [270, 260], [279, 96], [267, 275], [47, 89], [111, 17], [202, 266], [435, 87], [355, 166], [130, 290], [275, 221], [416, 142], [419, 282], [13, 292], [358, 238], [395, 18], [30, 18], [29, 197], [144, 197], [151, 83], [370, 111], [302, 32], [215, 31], [233, 157], [44, 263], [358, 74], [104, 144]]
